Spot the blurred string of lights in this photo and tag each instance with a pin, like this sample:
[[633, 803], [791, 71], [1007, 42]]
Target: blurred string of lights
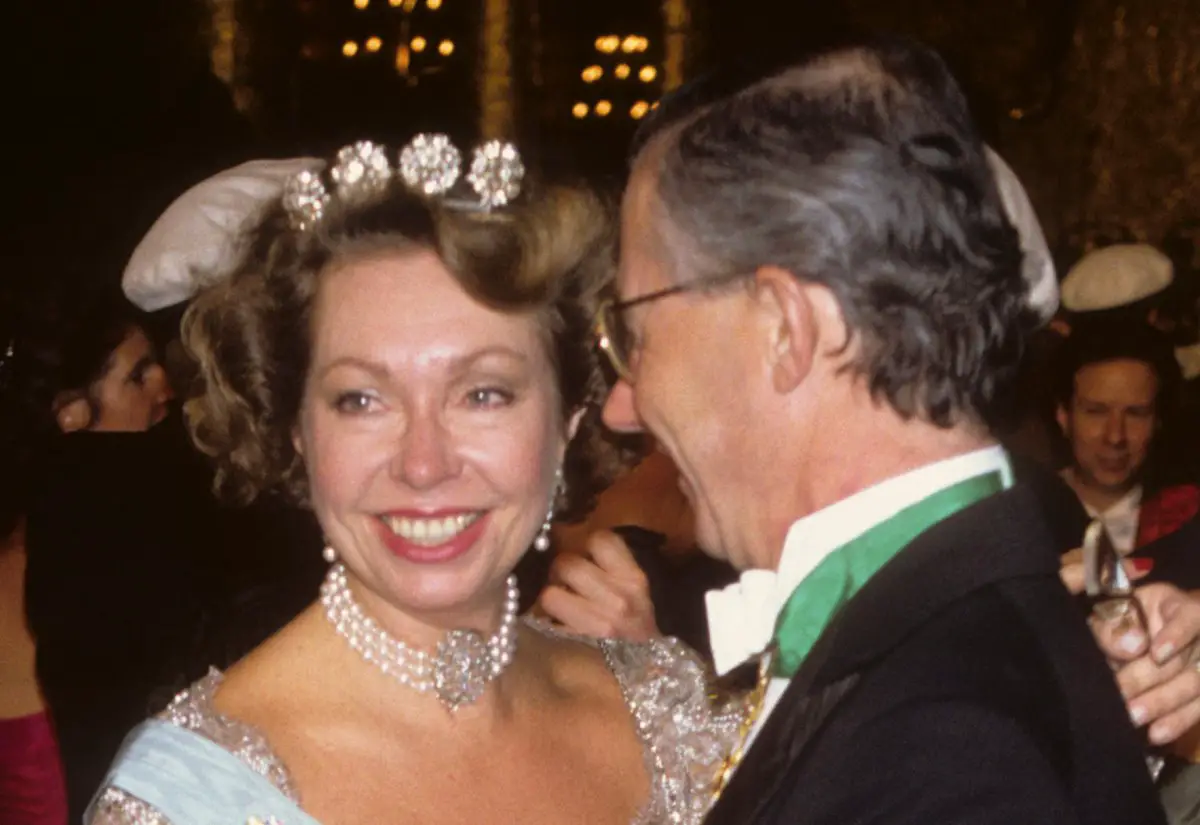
[[495, 77], [628, 63], [224, 26], [223, 52], [677, 20], [408, 42]]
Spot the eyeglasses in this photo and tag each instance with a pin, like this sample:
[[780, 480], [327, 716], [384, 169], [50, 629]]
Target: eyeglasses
[[615, 337]]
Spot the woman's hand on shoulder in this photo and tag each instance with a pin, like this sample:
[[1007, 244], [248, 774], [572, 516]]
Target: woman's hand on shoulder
[[601, 592]]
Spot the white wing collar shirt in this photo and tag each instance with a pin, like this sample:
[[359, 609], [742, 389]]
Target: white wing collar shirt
[[742, 616]]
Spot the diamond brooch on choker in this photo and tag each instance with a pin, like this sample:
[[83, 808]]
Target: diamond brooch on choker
[[456, 672]]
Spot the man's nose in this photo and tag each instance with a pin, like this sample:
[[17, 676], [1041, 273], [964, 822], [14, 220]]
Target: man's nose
[[160, 384], [619, 413], [1114, 429]]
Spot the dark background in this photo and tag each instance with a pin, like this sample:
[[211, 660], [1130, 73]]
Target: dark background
[[115, 107]]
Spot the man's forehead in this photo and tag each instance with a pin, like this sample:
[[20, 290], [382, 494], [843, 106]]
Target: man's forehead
[[637, 200], [639, 243], [1129, 380]]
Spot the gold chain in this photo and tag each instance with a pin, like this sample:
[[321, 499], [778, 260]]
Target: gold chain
[[754, 706]]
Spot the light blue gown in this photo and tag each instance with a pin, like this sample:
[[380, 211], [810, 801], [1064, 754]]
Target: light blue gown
[[191, 765]]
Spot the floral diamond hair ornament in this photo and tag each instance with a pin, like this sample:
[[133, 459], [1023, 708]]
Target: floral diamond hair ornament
[[305, 199], [361, 170], [496, 173], [430, 165]]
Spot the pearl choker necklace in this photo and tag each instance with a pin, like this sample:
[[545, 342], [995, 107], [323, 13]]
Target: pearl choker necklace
[[457, 672]]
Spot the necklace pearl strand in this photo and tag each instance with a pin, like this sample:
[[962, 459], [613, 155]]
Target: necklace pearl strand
[[456, 672]]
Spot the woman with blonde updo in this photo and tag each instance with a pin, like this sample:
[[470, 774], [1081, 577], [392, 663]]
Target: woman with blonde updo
[[418, 370]]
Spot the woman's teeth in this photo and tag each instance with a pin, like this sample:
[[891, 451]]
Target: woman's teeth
[[429, 532]]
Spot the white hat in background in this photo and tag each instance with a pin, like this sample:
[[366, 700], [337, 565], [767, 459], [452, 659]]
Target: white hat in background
[[199, 238], [1038, 267], [1116, 276]]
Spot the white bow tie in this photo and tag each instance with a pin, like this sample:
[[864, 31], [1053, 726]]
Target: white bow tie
[[741, 618]]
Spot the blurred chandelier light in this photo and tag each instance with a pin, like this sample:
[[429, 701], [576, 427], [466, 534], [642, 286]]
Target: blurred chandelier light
[[591, 74], [395, 3], [603, 107], [630, 44], [446, 48], [579, 110], [622, 71], [373, 44], [608, 44], [349, 48], [361, 4], [433, 5], [639, 109], [418, 44], [648, 73]]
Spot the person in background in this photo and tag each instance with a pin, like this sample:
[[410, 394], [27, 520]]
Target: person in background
[[119, 511], [1118, 390], [84, 374], [32, 790], [71, 364], [1118, 283], [1118, 387]]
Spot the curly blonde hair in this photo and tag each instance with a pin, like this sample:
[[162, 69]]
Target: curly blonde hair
[[549, 254]]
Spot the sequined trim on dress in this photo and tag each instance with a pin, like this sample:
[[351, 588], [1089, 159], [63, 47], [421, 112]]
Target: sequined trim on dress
[[193, 710], [685, 734], [115, 807]]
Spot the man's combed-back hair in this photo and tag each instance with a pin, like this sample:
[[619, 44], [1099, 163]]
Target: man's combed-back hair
[[548, 255], [859, 169]]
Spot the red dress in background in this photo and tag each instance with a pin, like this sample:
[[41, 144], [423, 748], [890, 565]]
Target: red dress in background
[[1166, 511], [32, 791]]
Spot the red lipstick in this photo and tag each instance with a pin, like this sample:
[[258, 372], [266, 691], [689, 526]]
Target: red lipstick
[[449, 550]]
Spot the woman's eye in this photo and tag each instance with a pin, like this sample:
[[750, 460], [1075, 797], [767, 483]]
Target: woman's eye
[[137, 376], [353, 403], [489, 397]]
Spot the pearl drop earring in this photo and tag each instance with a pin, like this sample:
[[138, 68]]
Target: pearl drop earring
[[542, 542]]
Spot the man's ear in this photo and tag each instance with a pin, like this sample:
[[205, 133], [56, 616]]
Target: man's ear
[[1063, 419], [72, 412], [796, 318], [297, 441]]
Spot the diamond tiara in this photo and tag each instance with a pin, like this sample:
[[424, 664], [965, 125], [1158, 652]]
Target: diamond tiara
[[430, 165]]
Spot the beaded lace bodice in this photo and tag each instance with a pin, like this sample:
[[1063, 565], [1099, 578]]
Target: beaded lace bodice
[[685, 734]]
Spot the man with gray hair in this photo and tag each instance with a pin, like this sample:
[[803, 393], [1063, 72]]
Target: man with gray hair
[[821, 307]]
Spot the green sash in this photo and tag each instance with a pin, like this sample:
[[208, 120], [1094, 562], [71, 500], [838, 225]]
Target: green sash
[[843, 572]]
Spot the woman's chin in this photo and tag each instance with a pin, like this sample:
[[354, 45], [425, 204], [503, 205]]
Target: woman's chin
[[447, 601]]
